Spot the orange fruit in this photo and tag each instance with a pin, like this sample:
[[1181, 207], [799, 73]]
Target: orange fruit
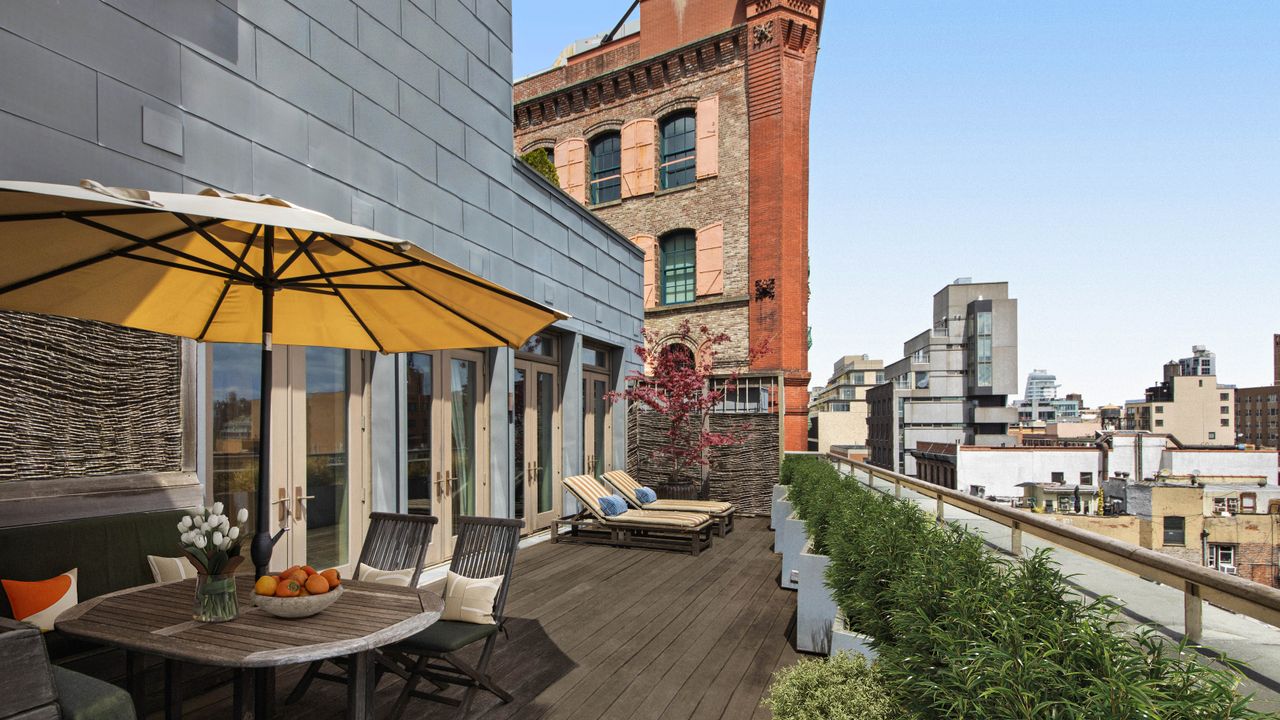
[[299, 576], [317, 585], [308, 570], [303, 592], [266, 585], [332, 576], [289, 588]]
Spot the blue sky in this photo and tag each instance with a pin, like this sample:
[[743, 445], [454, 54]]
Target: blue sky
[[1117, 162]]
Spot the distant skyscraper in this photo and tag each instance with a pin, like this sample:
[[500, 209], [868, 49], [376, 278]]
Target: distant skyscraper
[[1041, 385], [1202, 362]]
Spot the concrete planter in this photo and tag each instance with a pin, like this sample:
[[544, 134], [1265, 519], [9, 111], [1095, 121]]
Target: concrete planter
[[782, 510], [815, 608], [791, 541], [779, 496], [845, 640]]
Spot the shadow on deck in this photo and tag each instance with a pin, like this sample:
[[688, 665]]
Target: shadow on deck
[[598, 632]]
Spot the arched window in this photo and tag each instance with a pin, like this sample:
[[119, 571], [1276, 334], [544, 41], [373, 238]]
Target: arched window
[[678, 253], [679, 138], [606, 167], [679, 354]]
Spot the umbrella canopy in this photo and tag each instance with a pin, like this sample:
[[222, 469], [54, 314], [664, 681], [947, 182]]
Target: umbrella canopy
[[243, 269], [197, 265]]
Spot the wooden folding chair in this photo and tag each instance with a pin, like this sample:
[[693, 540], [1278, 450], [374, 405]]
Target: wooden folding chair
[[486, 547]]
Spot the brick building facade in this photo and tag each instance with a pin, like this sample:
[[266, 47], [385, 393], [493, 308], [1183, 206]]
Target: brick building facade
[[690, 136]]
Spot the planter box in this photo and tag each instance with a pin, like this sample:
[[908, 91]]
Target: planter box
[[815, 608], [781, 511], [779, 496], [848, 641], [791, 543]]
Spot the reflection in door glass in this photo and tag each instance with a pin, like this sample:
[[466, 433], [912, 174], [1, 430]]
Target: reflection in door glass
[[237, 377], [462, 420], [326, 511], [518, 437], [546, 416], [418, 432], [597, 398]]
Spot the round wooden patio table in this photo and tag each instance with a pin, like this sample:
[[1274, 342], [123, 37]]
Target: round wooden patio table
[[156, 620]]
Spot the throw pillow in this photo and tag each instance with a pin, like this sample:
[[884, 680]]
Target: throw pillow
[[170, 569], [42, 601], [401, 578], [470, 600], [612, 505], [646, 495]]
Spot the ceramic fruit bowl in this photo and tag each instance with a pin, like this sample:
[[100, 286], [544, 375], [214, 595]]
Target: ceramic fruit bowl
[[297, 607]]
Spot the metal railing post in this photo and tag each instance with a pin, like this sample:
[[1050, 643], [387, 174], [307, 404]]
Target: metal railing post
[[1193, 612], [1015, 541]]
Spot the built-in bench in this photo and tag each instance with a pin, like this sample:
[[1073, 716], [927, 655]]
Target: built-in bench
[[110, 552]]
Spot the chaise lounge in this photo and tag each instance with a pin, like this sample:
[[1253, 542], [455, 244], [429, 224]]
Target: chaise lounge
[[721, 512], [655, 529]]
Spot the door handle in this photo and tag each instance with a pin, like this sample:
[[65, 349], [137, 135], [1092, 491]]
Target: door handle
[[283, 502], [299, 508], [439, 484]]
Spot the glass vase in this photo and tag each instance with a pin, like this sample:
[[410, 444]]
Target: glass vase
[[215, 599]]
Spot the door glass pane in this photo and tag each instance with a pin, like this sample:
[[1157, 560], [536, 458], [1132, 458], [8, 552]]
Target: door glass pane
[[546, 416], [462, 399], [418, 420], [237, 390], [597, 397], [518, 438], [327, 479]]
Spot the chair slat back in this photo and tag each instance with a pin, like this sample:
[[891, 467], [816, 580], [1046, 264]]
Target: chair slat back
[[624, 484], [396, 542], [486, 547]]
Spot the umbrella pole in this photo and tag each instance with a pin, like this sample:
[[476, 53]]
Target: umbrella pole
[[263, 542]]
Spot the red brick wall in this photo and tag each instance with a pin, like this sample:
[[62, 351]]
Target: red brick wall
[[668, 24]]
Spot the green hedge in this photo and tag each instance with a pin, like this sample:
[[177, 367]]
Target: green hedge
[[838, 688], [964, 633]]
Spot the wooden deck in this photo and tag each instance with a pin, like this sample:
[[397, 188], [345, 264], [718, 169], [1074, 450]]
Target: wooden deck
[[598, 632]]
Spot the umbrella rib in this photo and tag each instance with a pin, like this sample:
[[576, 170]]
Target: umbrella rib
[[156, 245], [72, 214], [453, 273], [357, 271], [118, 252], [204, 233], [226, 287], [343, 298], [339, 286], [297, 252], [425, 296]]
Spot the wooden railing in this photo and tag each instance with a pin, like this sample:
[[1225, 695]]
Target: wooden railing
[[1198, 583]]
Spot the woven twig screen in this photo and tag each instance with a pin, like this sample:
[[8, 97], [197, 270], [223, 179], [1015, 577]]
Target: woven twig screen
[[80, 398]]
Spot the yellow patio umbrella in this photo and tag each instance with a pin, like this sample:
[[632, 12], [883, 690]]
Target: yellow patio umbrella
[[243, 269]]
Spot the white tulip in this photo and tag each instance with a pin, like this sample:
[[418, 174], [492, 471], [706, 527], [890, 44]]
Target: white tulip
[[217, 538], [243, 515], [224, 523], [205, 527], [186, 522], [201, 541], [181, 527], [233, 533], [217, 508], [226, 545], [185, 538]]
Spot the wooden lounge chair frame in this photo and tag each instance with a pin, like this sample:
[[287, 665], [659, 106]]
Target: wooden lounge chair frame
[[590, 525], [626, 486]]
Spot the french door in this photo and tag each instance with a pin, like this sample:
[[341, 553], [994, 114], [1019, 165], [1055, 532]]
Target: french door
[[445, 450], [319, 479], [536, 439], [597, 424]]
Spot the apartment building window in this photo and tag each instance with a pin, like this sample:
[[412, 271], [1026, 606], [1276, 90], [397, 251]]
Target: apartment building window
[[1224, 396], [1248, 503], [1175, 530], [1226, 410], [1159, 409], [1222, 557], [606, 168], [1213, 436], [679, 134], [679, 251], [922, 380], [1226, 422], [1160, 423], [880, 381], [1057, 478], [985, 375], [858, 378], [1086, 478]]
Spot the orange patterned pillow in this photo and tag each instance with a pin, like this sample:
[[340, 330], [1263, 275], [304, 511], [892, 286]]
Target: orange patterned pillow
[[42, 601]]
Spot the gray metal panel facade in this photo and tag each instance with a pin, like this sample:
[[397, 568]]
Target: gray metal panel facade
[[389, 113]]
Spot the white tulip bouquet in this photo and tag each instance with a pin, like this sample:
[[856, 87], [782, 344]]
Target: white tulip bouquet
[[212, 544]]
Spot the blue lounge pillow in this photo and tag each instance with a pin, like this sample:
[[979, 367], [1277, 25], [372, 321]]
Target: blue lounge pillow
[[613, 505], [646, 495]]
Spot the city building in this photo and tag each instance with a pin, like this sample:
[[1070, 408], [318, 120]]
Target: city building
[[1228, 526], [953, 385], [395, 118], [1258, 411], [1190, 406], [689, 132], [838, 411], [1040, 403], [1000, 472]]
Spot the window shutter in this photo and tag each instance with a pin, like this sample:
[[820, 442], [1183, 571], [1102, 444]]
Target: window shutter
[[649, 244], [637, 157], [571, 167], [708, 142], [710, 263]]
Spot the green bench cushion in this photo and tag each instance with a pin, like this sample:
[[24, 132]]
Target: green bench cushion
[[86, 698], [447, 636]]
